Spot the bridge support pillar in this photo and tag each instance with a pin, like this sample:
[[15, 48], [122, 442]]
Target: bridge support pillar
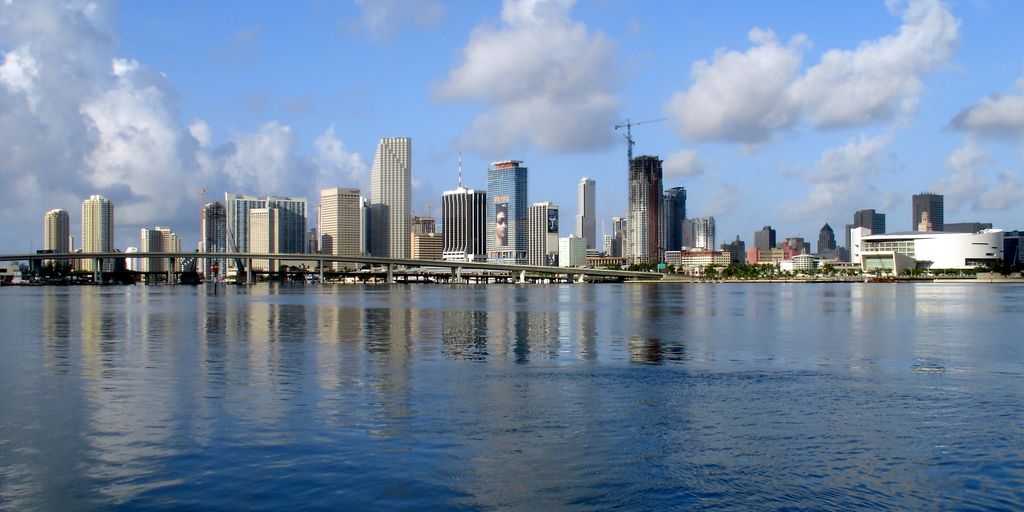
[[170, 270], [391, 273], [569, 278], [97, 271], [458, 274], [321, 266], [248, 271]]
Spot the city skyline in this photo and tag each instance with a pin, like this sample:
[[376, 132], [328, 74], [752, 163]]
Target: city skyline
[[157, 111]]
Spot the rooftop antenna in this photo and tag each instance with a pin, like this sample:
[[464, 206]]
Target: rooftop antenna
[[460, 169]]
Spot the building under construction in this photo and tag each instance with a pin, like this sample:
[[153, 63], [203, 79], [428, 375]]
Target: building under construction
[[646, 202]]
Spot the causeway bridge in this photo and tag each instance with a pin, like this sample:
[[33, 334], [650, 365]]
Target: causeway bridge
[[517, 273]]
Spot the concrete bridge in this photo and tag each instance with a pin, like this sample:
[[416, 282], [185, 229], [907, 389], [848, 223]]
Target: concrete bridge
[[518, 273]]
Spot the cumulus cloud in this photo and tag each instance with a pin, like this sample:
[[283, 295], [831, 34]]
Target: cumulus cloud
[[840, 180], [381, 19], [683, 163], [78, 120], [747, 97], [998, 116], [543, 78], [968, 185], [740, 97], [336, 165]]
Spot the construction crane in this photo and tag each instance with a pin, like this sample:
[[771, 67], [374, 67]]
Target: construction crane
[[629, 133]]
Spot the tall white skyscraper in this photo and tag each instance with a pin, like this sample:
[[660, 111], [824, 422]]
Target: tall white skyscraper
[[586, 219], [98, 230], [56, 231], [391, 198], [340, 228]]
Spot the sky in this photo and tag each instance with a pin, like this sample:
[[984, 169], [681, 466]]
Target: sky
[[789, 114]]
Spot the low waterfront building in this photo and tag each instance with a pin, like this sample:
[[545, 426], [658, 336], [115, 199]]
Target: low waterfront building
[[572, 251], [894, 252], [693, 262]]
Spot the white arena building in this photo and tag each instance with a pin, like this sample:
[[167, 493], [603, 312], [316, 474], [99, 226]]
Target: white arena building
[[894, 252]]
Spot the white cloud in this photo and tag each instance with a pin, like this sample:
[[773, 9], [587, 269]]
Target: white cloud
[[840, 180], [967, 184], [543, 78], [80, 120], [19, 74], [740, 97], [1007, 193], [336, 165], [683, 163], [383, 18], [998, 116], [881, 79], [747, 97]]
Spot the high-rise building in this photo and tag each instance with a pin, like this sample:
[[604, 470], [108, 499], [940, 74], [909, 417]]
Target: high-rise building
[[966, 227], [391, 198], [506, 212], [423, 225], [737, 250], [586, 217], [293, 214], [464, 217], [542, 234], [264, 236], [214, 237], [675, 213], [157, 239], [826, 241], [699, 233], [427, 246], [340, 213], [764, 240], [931, 203], [620, 232], [646, 223], [98, 230], [873, 221], [57, 231]]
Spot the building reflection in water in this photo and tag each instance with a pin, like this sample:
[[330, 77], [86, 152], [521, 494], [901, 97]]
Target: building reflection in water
[[56, 318], [464, 334]]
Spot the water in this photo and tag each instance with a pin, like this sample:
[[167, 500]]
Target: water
[[589, 397]]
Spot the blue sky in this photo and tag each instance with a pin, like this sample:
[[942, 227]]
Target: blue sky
[[791, 114]]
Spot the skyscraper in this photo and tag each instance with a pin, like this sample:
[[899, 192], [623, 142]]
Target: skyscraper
[[586, 218], [391, 198], [292, 211], [339, 223], [264, 236], [699, 233], [931, 203], [764, 240], [542, 237], [506, 212], [675, 212], [826, 241], [875, 222], [214, 236], [464, 214], [646, 223], [56, 231], [157, 239], [620, 232], [98, 230]]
